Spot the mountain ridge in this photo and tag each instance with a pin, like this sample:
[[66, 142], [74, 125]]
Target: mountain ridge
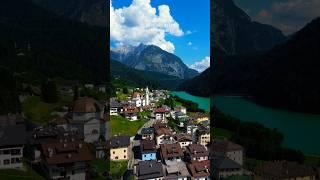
[[153, 58]]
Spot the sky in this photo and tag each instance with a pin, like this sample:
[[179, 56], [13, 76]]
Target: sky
[[177, 26], [287, 15]]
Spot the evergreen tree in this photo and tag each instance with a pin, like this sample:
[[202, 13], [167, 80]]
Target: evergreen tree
[[125, 90], [9, 99], [49, 92], [76, 92]]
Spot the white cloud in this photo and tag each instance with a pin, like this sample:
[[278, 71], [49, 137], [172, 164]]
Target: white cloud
[[201, 65], [189, 43], [142, 23]]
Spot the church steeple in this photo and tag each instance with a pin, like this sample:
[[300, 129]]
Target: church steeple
[[147, 96]]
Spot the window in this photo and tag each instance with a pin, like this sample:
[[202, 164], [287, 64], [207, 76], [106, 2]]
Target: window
[[15, 160], [124, 156], [113, 152], [145, 155], [15, 152], [124, 150], [6, 151], [95, 131], [116, 157], [6, 161]]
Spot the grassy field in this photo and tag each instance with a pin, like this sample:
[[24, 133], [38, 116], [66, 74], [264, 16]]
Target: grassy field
[[100, 166], [312, 160], [38, 111], [121, 126], [117, 168], [221, 133], [121, 96], [12, 174], [251, 164]]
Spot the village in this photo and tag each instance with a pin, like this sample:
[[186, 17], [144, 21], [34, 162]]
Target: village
[[172, 144], [140, 133]]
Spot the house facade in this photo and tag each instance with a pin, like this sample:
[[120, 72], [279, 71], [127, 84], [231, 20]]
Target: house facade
[[171, 152], [224, 167], [183, 139], [203, 135], [119, 148], [87, 116], [66, 160], [231, 150], [163, 136], [148, 150], [197, 152], [147, 133], [12, 141]]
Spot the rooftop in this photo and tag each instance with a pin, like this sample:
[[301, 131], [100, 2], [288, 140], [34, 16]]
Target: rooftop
[[222, 146], [70, 152], [199, 168], [149, 170], [160, 125], [114, 103], [147, 131], [163, 131], [11, 119], [182, 137], [222, 163], [197, 150], [53, 134], [12, 135], [160, 110], [119, 141], [171, 150], [86, 105], [147, 146]]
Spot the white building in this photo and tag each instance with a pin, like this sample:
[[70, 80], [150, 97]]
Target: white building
[[12, 140], [87, 116], [228, 149]]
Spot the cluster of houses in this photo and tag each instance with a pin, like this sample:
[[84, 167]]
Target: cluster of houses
[[159, 151], [228, 161], [162, 153], [140, 100], [61, 148], [64, 148]]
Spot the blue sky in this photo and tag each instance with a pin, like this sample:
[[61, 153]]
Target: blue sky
[[286, 15], [190, 40]]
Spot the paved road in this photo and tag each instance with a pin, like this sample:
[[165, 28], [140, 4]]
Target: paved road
[[134, 143]]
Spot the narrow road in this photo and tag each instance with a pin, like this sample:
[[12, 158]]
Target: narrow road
[[134, 143]]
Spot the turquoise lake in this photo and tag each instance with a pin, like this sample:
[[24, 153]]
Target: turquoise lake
[[301, 131], [204, 103]]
